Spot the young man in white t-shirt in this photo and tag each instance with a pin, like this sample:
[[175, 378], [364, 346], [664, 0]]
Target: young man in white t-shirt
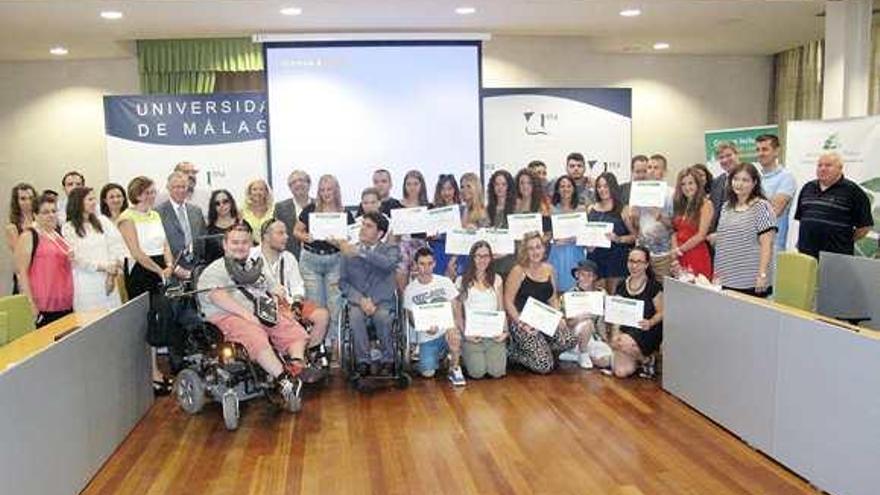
[[433, 343]]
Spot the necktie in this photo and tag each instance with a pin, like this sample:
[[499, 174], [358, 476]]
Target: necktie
[[187, 232]]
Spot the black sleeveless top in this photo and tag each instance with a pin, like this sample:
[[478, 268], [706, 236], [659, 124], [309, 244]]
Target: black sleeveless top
[[541, 291]]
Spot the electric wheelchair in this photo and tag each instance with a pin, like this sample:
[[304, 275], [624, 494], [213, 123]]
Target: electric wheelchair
[[399, 377], [208, 367]]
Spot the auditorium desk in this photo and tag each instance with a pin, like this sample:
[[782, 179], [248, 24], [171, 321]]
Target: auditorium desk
[[65, 406], [798, 386]]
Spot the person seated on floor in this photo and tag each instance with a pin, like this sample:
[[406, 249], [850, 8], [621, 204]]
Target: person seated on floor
[[237, 301], [592, 348], [285, 281], [367, 278], [426, 288], [634, 347]]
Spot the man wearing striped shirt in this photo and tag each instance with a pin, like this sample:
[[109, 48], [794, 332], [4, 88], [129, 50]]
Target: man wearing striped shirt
[[833, 211]]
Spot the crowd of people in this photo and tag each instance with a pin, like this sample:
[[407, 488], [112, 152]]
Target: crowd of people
[[83, 250]]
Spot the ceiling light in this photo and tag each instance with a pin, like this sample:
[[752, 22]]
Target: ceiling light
[[465, 10], [661, 46], [111, 15], [291, 11], [630, 12], [58, 50]]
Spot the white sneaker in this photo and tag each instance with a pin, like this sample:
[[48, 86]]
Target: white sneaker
[[571, 356], [584, 361], [456, 376]]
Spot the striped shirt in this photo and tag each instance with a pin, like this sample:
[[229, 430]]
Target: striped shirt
[[737, 250]]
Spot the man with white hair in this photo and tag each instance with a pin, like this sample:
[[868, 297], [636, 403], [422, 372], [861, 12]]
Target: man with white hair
[[833, 211], [198, 196], [288, 210]]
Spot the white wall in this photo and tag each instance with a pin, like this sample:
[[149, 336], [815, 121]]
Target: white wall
[[675, 97], [51, 121], [51, 113]]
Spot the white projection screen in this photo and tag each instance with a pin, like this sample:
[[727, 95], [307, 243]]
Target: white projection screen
[[347, 108]]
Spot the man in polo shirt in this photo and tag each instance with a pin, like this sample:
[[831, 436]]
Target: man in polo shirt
[[778, 184], [728, 157], [833, 211]]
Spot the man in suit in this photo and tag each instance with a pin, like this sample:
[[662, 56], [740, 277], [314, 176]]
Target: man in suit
[[288, 210], [184, 225], [367, 278]]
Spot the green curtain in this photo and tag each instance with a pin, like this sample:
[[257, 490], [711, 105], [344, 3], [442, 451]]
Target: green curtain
[[190, 66], [797, 86]]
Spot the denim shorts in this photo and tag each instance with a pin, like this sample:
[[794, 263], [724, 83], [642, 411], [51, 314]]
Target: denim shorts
[[430, 353]]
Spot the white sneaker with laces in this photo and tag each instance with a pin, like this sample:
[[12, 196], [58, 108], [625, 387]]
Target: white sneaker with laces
[[456, 376], [584, 361]]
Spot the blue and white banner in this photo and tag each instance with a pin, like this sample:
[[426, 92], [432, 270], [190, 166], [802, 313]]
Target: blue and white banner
[[525, 124], [223, 134]]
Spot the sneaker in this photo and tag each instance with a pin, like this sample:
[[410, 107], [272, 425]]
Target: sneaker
[[428, 373], [584, 361], [288, 386], [571, 356], [648, 368], [456, 376]]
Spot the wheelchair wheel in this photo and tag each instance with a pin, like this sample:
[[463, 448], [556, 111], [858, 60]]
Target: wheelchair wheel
[[403, 380], [229, 402], [189, 390]]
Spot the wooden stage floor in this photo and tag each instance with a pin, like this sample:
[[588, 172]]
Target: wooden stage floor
[[572, 432]]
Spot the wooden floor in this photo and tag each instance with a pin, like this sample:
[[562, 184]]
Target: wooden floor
[[572, 432]]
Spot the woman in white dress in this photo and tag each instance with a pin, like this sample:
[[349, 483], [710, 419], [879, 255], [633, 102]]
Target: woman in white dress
[[98, 252]]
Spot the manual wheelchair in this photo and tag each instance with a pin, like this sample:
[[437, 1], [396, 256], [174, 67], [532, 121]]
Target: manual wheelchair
[[400, 373]]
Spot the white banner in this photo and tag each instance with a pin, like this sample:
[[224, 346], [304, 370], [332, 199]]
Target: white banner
[[222, 134], [521, 125], [857, 141]]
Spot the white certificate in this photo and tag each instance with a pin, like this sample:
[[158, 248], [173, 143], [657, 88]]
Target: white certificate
[[426, 316], [481, 323], [568, 225], [354, 231], [325, 226], [595, 234], [624, 311], [583, 303], [499, 240], [520, 224], [459, 241], [650, 193], [443, 219], [541, 316], [409, 220]]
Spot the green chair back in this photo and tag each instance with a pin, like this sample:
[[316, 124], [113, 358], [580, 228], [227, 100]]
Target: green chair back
[[796, 280], [20, 320], [4, 328]]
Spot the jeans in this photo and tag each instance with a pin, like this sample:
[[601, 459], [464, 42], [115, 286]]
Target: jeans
[[382, 320], [430, 353], [320, 273]]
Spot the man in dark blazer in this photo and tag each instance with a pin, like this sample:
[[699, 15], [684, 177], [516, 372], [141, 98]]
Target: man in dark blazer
[[184, 225], [288, 210], [367, 278]]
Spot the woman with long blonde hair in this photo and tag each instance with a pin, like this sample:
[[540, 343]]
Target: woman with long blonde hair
[[319, 261], [258, 206]]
